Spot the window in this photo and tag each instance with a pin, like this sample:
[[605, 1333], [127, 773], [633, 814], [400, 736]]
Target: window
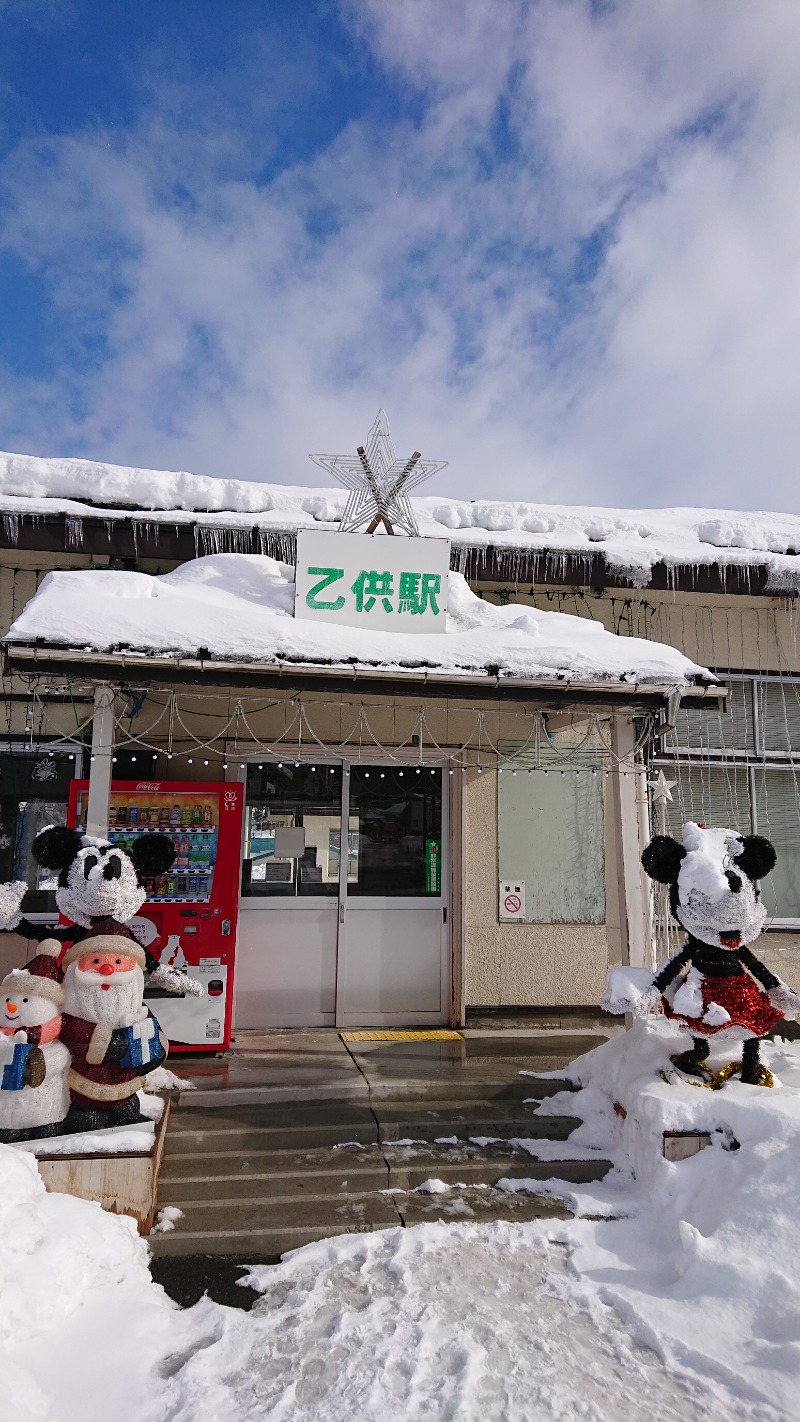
[[289, 797], [34, 789], [550, 833], [741, 768], [399, 818], [293, 831]]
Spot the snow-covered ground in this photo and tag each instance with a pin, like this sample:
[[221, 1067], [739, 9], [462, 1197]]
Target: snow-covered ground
[[632, 541], [241, 608], [673, 1294]]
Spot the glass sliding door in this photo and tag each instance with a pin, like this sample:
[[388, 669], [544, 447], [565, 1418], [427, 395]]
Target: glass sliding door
[[393, 969], [323, 942], [288, 929]]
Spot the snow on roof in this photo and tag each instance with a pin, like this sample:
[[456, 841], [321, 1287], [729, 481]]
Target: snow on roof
[[631, 541], [240, 607]]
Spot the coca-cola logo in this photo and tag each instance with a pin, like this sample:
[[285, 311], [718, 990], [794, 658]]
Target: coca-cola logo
[[148, 785]]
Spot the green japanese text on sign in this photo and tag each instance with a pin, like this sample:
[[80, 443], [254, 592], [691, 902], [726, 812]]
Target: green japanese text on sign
[[415, 593]]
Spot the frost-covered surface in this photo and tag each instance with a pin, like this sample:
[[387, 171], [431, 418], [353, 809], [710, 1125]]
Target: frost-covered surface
[[631, 541], [674, 1294], [112, 1140], [119, 1140], [239, 607]]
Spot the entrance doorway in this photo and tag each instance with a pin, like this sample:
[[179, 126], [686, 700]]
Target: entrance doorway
[[343, 929]]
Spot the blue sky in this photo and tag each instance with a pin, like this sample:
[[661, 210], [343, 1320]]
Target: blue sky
[[556, 240]]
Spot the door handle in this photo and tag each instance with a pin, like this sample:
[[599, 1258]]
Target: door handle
[[341, 913]]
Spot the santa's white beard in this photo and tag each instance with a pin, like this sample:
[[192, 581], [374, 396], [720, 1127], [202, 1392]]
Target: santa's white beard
[[115, 1001]]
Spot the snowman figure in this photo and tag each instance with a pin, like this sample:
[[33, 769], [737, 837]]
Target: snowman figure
[[34, 1064]]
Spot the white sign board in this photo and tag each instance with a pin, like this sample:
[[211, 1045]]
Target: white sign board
[[512, 901], [393, 584]]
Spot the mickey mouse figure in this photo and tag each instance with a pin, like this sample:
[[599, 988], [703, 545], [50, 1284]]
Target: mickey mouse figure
[[97, 881], [715, 986]]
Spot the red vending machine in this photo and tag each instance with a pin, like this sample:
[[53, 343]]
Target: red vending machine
[[189, 917]]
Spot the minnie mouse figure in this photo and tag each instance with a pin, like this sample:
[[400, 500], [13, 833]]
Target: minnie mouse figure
[[714, 986]]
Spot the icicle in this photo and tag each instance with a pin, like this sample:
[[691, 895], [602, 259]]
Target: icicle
[[11, 527], [74, 530]]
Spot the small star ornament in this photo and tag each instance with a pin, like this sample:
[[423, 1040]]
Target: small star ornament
[[662, 788], [379, 482]]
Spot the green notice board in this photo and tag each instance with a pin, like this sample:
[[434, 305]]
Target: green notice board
[[433, 866]]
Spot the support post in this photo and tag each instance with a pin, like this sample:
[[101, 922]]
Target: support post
[[100, 764], [628, 793]]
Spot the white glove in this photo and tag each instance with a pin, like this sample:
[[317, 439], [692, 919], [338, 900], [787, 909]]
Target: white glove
[[786, 1001], [11, 896], [630, 990], [173, 980]]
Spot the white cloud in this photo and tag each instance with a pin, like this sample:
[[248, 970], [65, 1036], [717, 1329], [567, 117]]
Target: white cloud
[[430, 266]]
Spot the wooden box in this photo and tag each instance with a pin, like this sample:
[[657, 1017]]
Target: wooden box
[[127, 1184]]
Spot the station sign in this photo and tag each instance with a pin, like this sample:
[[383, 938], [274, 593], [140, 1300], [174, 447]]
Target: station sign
[[391, 584]]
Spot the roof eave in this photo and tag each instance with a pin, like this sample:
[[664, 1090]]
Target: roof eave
[[25, 659]]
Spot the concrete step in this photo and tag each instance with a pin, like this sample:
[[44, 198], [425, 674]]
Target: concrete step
[[256, 1180], [403, 1168], [485, 1087], [256, 1226], [260, 1127], [486, 1166], [273, 1173], [397, 1121], [478, 1206]]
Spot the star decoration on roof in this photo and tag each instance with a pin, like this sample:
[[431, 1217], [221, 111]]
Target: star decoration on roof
[[379, 482], [662, 788]]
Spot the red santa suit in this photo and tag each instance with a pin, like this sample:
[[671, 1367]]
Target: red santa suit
[[113, 1039]]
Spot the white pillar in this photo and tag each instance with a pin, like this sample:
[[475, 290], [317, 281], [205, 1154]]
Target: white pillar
[[100, 764], [628, 797]]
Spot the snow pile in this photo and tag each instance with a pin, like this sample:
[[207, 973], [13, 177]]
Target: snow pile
[[116, 486], [76, 1304], [239, 607], [111, 1140], [684, 1295], [702, 1256], [630, 541]]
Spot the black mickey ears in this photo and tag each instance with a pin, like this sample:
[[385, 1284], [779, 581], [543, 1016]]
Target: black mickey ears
[[56, 846], [662, 859], [151, 854], [758, 856]]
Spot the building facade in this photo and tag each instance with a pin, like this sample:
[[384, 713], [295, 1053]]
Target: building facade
[[541, 790]]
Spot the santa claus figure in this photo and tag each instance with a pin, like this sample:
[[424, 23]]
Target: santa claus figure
[[113, 1039], [34, 1064]]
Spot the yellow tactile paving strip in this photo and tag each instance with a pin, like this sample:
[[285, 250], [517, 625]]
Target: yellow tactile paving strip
[[441, 1036]]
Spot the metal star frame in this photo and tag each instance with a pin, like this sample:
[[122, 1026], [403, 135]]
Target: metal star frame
[[379, 482]]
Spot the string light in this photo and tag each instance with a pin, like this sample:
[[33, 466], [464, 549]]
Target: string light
[[297, 713]]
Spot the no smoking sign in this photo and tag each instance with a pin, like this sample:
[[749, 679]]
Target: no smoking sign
[[512, 900]]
